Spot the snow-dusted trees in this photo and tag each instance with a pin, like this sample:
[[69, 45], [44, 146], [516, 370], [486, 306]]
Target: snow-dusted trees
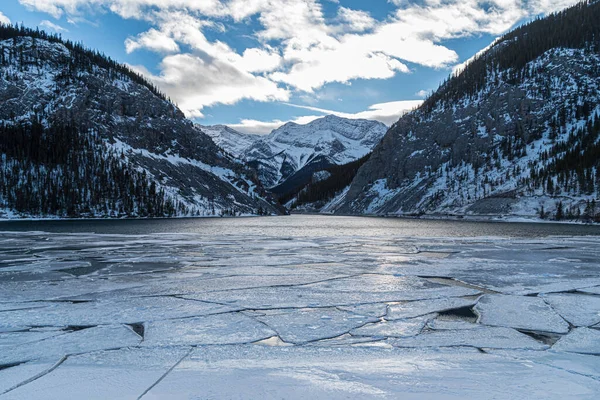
[[65, 171]]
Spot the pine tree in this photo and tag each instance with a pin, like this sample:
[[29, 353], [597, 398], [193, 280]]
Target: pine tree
[[559, 211]]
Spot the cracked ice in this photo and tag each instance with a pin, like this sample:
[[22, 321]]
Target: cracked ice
[[195, 316]]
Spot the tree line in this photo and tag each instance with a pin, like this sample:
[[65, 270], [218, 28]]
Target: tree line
[[66, 171]]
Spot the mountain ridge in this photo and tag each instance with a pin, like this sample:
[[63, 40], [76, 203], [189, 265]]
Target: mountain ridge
[[62, 87], [330, 140], [488, 142], [229, 139]]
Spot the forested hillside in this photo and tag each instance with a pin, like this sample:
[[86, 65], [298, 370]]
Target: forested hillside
[[325, 190], [84, 136], [65, 172], [516, 132]]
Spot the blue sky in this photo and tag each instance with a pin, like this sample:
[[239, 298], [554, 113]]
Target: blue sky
[[255, 64]]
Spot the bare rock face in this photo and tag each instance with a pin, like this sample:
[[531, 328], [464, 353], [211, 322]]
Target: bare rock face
[[516, 132], [47, 81]]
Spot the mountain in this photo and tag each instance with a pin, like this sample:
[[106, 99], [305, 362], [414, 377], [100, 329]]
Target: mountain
[[326, 189], [229, 139], [83, 136], [516, 132], [289, 155]]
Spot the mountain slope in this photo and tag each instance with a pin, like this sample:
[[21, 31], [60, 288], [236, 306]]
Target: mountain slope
[[232, 141], [115, 145], [326, 189], [516, 132], [324, 142]]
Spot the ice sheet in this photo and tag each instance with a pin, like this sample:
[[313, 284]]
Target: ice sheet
[[520, 312], [126, 310], [308, 325], [11, 377], [578, 309], [417, 308], [103, 316], [342, 373], [123, 374], [482, 337], [216, 329], [8, 339], [591, 290], [439, 324], [80, 341], [580, 340], [400, 328], [581, 364]]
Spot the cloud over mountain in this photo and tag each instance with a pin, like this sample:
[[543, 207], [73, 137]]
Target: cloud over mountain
[[294, 46]]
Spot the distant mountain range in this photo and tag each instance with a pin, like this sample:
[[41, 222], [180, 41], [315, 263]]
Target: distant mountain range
[[516, 132], [83, 136], [287, 158]]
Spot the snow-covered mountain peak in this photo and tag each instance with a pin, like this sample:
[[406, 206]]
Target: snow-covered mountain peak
[[229, 139], [330, 140], [354, 129]]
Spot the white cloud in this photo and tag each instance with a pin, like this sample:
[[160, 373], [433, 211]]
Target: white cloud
[[297, 48], [356, 20], [152, 40], [259, 60], [422, 93], [265, 127], [211, 73], [194, 82], [300, 21], [52, 26], [4, 19], [125, 8], [316, 68], [388, 113], [548, 6]]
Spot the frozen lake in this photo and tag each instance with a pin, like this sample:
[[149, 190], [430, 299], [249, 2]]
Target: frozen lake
[[298, 307], [307, 226]]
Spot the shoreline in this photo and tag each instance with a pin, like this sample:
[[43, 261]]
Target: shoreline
[[461, 218], [512, 219], [85, 219]]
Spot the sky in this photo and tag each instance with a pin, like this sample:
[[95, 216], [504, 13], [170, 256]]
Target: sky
[[256, 64]]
